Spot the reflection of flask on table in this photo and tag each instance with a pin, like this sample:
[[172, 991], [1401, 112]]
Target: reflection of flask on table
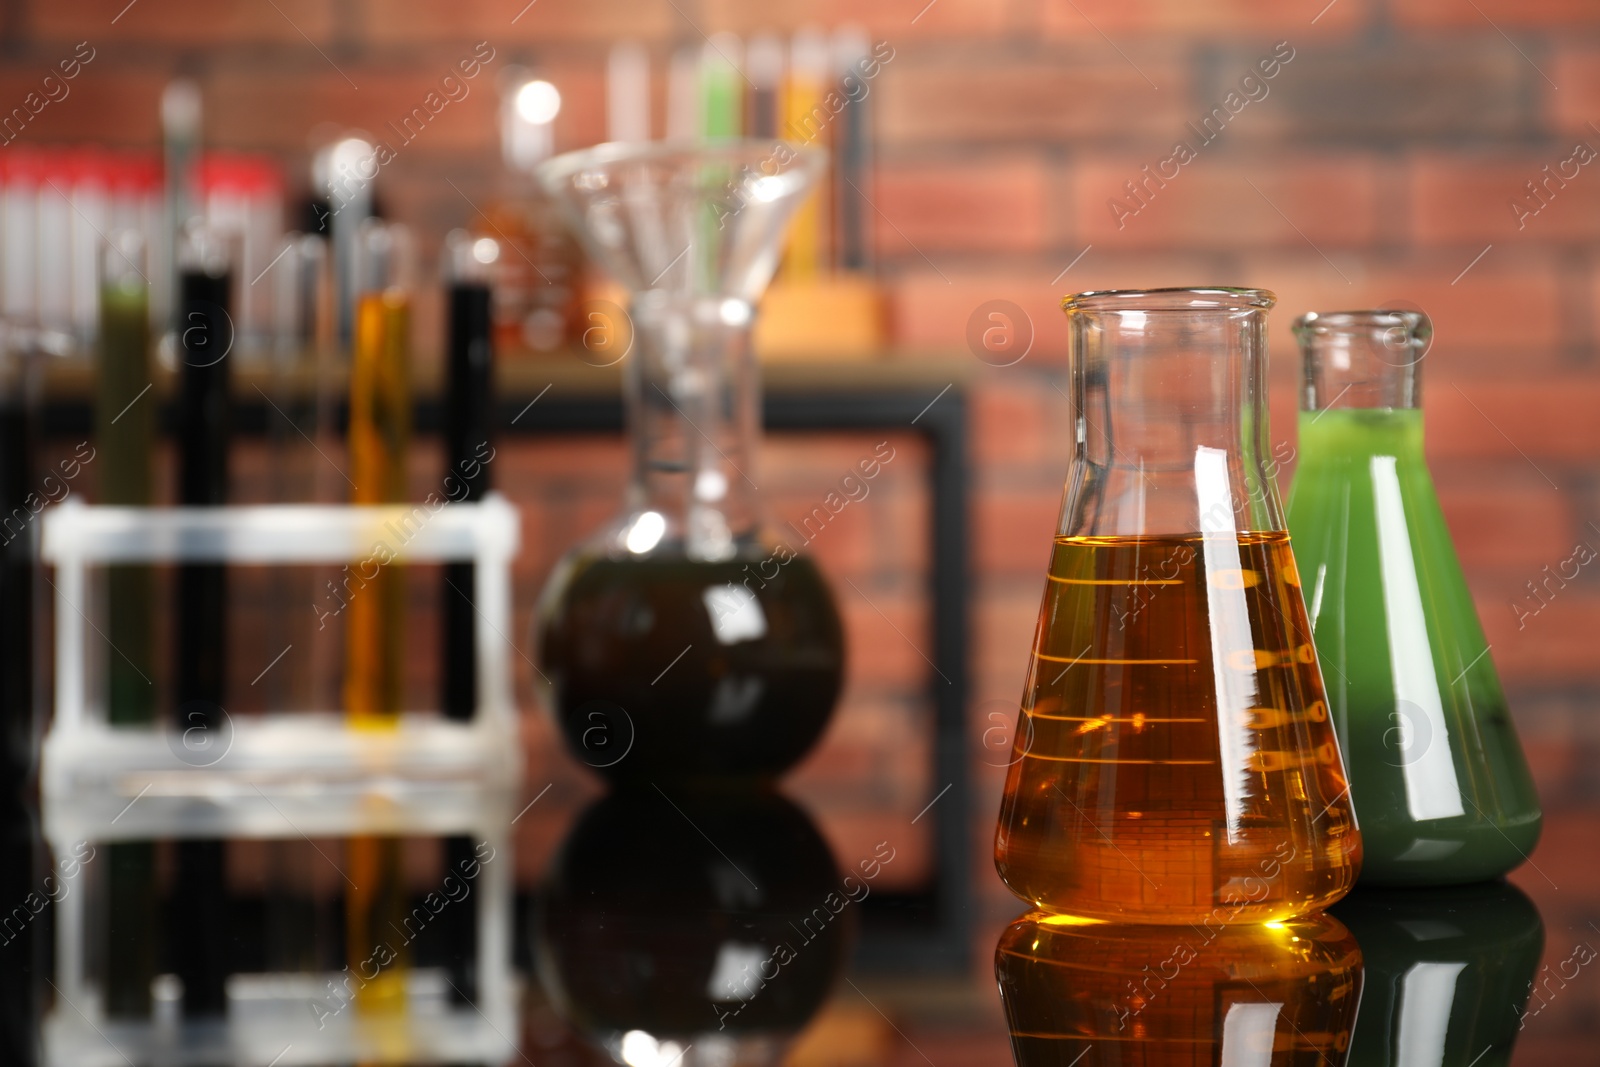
[[1090, 994], [1440, 783], [723, 954], [1173, 761], [380, 429], [682, 641], [1448, 973]]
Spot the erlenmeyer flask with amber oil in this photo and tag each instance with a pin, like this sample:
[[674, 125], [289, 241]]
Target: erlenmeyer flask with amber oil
[[1174, 761]]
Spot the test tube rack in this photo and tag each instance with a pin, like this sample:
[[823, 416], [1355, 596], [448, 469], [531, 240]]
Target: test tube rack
[[283, 776]]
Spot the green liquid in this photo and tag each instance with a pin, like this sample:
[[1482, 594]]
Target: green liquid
[[1449, 974], [123, 448], [1442, 791]]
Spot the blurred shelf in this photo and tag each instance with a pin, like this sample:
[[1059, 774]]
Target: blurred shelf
[[575, 395]]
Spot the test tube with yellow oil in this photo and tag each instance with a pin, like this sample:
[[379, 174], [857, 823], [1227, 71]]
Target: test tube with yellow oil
[[380, 430]]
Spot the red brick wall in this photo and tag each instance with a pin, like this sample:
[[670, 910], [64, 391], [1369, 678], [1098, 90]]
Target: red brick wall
[[1379, 167]]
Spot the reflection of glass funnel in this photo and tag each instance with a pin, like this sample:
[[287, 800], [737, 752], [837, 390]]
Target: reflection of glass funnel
[[1448, 973], [684, 588], [701, 220], [1091, 994], [657, 944]]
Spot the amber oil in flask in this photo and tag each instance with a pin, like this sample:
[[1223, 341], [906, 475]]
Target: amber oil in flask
[[1174, 761]]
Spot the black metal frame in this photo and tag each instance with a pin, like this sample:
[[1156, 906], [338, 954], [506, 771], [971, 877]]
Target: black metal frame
[[906, 932]]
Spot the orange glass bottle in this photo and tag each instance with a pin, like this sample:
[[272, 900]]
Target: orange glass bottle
[[1174, 761]]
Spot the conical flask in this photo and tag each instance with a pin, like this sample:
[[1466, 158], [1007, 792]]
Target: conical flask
[[1174, 761], [684, 641], [1088, 994], [1449, 973], [1440, 783]]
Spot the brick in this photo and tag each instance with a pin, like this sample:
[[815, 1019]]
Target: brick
[[841, 547], [1546, 419], [1016, 421], [1576, 68], [107, 103], [390, 22], [904, 538], [1554, 647], [1481, 15], [376, 100], [888, 20], [934, 309], [1457, 198], [1227, 21], [1005, 614], [1327, 201], [1013, 530], [1564, 856], [1470, 309], [887, 635], [1520, 526], [184, 23], [1475, 87], [988, 97], [988, 205]]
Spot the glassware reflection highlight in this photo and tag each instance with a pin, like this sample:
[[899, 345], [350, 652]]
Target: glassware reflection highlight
[[1448, 973], [1086, 993], [693, 930]]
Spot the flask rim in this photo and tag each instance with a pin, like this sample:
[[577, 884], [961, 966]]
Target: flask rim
[[1178, 298], [1417, 326]]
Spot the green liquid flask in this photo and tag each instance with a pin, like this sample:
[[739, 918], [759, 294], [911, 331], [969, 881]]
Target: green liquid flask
[[1442, 791]]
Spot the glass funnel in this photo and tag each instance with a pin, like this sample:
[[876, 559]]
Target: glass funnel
[[1449, 973], [1089, 994], [1440, 783], [1173, 761], [682, 641]]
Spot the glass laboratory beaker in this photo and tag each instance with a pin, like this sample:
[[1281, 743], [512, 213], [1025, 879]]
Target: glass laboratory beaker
[[683, 641], [1440, 783], [1174, 761]]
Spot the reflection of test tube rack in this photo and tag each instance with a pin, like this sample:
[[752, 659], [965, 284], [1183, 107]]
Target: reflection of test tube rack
[[283, 776]]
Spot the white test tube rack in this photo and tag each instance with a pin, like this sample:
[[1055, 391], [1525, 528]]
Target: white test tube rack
[[285, 776]]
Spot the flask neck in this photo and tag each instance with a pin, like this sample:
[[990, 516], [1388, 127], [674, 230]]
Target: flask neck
[[1170, 421], [1362, 359], [692, 391]]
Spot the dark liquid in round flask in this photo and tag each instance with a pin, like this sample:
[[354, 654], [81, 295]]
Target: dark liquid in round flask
[[668, 667], [681, 642]]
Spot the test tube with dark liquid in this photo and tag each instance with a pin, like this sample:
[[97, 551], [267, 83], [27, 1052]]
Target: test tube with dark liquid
[[469, 263], [20, 846], [204, 426]]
